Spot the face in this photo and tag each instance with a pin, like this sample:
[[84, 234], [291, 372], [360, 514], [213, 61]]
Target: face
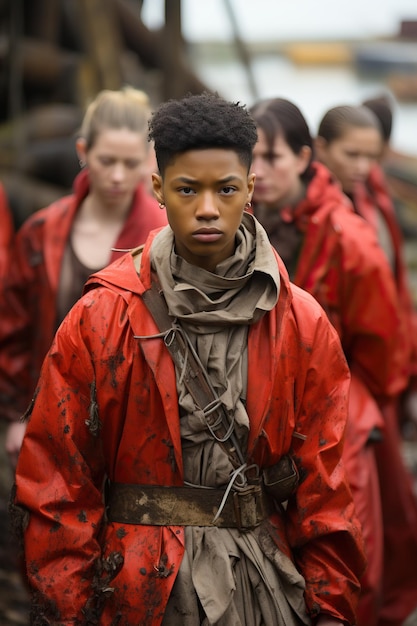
[[351, 156], [205, 193], [278, 172], [117, 163]]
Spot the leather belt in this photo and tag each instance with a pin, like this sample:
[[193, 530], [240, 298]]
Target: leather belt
[[153, 505]]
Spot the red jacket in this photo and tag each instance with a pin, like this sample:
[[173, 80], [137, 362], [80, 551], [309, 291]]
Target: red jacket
[[6, 233], [342, 265], [373, 200], [297, 383], [399, 503], [28, 312]]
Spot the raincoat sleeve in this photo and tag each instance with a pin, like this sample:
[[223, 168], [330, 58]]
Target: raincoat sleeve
[[16, 333], [323, 530], [371, 332], [60, 473], [6, 233]]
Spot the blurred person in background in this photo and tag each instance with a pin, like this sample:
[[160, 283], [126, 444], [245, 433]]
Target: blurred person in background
[[57, 248], [6, 233], [334, 254], [377, 204], [350, 142]]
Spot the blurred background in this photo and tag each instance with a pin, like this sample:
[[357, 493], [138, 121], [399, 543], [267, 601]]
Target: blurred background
[[55, 55]]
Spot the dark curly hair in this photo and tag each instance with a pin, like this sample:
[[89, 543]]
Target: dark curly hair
[[198, 122]]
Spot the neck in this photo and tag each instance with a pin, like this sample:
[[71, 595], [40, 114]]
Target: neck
[[95, 208]]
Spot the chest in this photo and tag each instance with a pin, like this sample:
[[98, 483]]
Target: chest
[[92, 242]]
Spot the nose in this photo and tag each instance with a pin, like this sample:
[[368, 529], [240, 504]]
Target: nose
[[363, 166], [207, 206], [118, 172]]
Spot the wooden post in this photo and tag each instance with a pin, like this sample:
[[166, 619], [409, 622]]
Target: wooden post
[[102, 42], [173, 50]]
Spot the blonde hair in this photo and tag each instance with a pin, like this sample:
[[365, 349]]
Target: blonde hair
[[126, 108]]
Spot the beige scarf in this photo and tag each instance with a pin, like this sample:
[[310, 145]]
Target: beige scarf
[[216, 309]]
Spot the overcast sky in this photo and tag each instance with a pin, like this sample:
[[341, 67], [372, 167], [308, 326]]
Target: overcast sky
[[267, 19]]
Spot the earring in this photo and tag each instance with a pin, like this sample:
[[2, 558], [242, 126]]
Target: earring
[[82, 164], [248, 205], [162, 205]]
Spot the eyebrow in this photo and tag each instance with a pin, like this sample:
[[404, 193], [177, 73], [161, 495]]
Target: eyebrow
[[193, 181]]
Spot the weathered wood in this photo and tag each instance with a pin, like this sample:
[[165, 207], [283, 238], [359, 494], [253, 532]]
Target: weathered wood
[[149, 47], [53, 160], [102, 41], [43, 64], [173, 49], [242, 50], [42, 122], [43, 20]]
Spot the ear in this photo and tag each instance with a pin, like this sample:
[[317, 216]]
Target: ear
[[304, 157], [251, 186], [157, 187], [81, 148]]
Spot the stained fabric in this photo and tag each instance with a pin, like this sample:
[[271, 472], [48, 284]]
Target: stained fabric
[[80, 564], [246, 588]]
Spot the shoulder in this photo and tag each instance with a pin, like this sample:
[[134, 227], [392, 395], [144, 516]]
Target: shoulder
[[306, 308], [312, 324], [53, 211]]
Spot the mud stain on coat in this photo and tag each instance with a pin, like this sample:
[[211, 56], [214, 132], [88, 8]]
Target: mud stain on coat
[[113, 363], [93, 423]]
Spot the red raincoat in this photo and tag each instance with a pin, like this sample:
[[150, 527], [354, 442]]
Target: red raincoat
[[399, 502], [373, 202], [6, 233], [107, 405], [343, 267], [28, 313]]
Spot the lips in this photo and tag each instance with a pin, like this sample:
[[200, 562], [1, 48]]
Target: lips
[[207, 235]]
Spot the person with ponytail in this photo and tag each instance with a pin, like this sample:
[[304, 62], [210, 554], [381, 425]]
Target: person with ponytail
[[334, 254], [350, 142], [109, 212]]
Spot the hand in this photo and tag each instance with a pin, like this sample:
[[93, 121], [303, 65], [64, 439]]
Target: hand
[[14, 438]]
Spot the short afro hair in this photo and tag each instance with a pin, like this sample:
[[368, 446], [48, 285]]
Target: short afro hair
[[199, 122]]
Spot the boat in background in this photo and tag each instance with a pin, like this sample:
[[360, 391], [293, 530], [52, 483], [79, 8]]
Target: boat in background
[[319, 53]]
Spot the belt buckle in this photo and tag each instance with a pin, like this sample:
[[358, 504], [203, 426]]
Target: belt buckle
[[248, 507]]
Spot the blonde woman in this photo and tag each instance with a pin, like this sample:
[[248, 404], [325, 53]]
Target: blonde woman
[[57, 248]]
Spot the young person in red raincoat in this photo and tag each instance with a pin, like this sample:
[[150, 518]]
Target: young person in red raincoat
[[57, 248], [350, 142], [334, 254], [126, 497], [6, 233]]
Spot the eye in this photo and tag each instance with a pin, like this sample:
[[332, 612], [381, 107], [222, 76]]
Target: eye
[[132, 164], [186, 191], [228, 190], [106, 161]]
